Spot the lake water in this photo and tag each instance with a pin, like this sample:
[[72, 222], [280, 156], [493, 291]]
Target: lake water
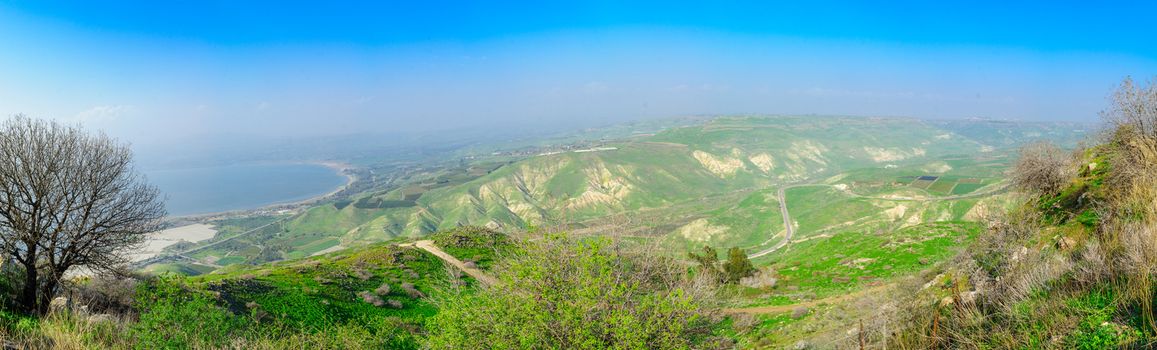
[[235, 187]]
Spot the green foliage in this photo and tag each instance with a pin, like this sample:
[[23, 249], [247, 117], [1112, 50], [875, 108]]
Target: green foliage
[[849, 260], [1096, 329], [573, 294], [313, 301], [737, 266], [708, 261], [175, 316], [473, 243]]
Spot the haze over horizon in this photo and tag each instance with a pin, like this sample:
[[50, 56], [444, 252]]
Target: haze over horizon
[[165, 76]]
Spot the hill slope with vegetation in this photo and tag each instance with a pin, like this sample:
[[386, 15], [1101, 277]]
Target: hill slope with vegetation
[[675, 176], [1073, 265]]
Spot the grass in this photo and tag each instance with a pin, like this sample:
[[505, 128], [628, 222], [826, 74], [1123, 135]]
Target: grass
[[815, 208], [476, 244], [849, 261], [942, 186], [307, 303], [965, 188]]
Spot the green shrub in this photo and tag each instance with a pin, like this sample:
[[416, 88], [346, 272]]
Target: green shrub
[[576, 294]]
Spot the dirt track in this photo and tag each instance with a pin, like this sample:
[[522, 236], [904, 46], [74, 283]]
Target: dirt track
[[779, 309], [479, 275]]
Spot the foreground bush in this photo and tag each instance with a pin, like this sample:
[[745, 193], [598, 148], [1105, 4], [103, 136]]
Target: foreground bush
[[565, 293], [1072, 267]]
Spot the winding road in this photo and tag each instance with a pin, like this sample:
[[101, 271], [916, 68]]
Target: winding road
[[787, 223], [789, 226]]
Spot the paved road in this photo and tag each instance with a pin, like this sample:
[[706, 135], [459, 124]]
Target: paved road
[[185, 254], [788, 224], [479, 275], [233, 237]]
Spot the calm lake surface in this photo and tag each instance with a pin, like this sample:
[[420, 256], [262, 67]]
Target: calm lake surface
[[235, 187]]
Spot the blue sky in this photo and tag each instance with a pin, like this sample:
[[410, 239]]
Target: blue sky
[[166, 73]]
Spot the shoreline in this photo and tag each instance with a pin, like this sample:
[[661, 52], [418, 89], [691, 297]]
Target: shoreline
[[341, 168]]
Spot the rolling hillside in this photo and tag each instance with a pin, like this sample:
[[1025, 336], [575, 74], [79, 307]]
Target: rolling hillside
[[679, 165], [710, 183]]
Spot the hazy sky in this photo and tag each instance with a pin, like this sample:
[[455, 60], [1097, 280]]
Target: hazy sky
[[167, 72]]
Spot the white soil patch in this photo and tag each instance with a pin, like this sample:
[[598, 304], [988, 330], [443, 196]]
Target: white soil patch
[[328, 250], [936, 167], [700, 230], [721, 166], [881, 155], [763, 161], [896, 212], [157, 241]]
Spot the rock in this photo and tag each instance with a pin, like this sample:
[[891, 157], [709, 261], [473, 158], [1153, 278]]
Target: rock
[[969, 297], [764, 278], [948, 300], [58, 304], [1019, 254], [799, 312], [802, 345]]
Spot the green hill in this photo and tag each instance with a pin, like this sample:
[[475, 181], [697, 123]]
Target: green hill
[[672, 167], [711, 183]]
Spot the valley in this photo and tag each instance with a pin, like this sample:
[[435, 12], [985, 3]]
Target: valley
[[577, 176], [721, 183], [832, 206]]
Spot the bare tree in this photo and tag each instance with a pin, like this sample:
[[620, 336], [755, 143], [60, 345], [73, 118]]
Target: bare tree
[[1043, 168], [1134, 107], [68, 199], [1133, 116]]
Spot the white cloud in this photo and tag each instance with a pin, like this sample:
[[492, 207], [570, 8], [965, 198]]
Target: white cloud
[[102, 114]]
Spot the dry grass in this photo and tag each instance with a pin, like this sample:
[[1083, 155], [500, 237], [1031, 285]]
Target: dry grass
[[1032, 278], [66, 330]]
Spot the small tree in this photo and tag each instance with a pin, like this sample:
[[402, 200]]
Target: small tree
[[708, 260], [1134, 107], [737, 266], [67, 199], [734, 269], [1133, 117]]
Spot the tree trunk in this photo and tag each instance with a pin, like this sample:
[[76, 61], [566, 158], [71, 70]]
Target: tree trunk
[[46, 295], [27, 298]]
